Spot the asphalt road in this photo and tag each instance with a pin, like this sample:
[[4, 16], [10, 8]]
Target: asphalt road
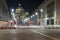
[[21, 34], [50, 33]]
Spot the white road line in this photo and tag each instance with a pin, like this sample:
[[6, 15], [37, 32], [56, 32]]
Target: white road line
[[45, 35]]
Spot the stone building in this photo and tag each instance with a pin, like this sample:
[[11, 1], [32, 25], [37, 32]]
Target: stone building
[[4, 13], [49, 12], [20, 13]]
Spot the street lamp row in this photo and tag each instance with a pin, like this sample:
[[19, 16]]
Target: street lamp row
[[34, 15]]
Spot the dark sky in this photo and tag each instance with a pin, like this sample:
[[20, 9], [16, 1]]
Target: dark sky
[[28, 5]]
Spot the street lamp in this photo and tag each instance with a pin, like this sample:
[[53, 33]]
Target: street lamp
[[41, 16], [41, 10], [36, 13], [33, 15], [12, 10], [37, 18], [12, 13]]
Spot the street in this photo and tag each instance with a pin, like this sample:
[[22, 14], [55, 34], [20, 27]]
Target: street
[[21, 34], [50, 33], [29, 19]]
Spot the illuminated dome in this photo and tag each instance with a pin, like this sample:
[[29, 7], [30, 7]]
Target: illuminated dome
[[19, 9], [20, 13]]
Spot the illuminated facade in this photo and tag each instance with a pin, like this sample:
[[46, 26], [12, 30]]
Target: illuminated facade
[[20, 13], [49, 12]]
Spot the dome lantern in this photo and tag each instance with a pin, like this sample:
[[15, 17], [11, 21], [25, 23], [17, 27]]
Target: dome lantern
[[19, 5]]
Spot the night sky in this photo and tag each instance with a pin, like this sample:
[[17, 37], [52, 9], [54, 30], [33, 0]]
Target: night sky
[[28, 5]]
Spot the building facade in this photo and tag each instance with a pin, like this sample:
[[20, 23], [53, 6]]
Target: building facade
[[49, 12], [4, 13], [20, 14]]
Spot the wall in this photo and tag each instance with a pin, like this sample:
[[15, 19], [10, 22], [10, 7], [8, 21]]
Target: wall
[[4, 13], [58, 12]]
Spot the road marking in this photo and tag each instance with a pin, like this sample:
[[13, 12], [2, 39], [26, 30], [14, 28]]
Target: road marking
[[45, 35]]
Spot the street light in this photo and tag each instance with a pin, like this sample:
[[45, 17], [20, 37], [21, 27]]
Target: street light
[[41, 16], [36, 13], [12, 10], [33, 15], [12, 13], [41, 10]]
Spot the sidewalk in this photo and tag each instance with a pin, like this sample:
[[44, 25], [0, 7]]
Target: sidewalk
[[31, 26]]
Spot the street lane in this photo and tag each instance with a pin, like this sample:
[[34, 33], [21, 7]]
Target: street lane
[[51, 33], [21, 34]]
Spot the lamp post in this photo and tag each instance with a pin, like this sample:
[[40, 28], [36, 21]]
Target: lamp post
[[14, 19], [37, 17], [33, 15], [41, 16], [13, 15], [36, 13]]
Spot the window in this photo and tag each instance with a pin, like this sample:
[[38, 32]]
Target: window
[[47, 22], [52, 22], [50, 9]]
